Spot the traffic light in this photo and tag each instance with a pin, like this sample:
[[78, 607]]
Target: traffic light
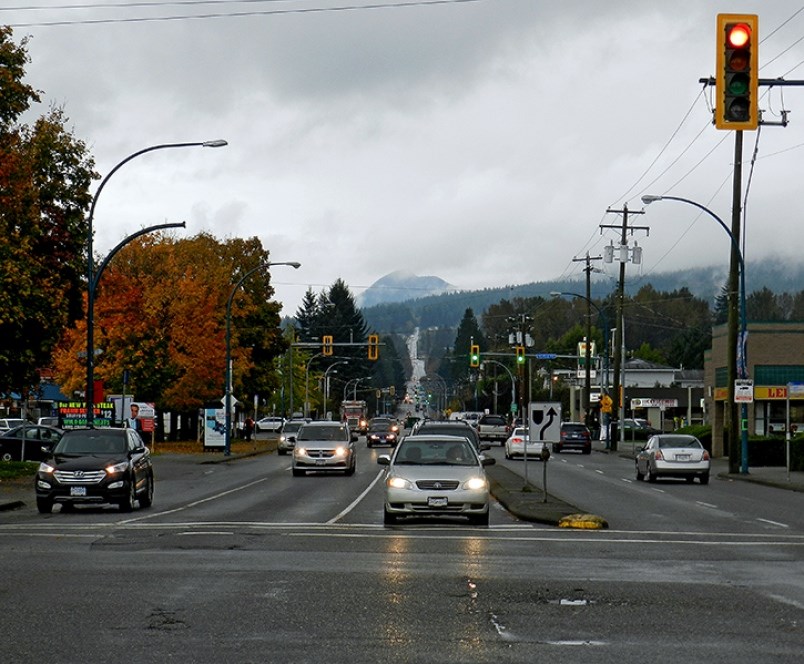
[[474, 355], [327, 348], [373, 350], [737, 74], [520, 355]]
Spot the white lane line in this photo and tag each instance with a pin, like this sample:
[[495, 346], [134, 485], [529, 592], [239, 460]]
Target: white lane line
[[355, 502], [774, 523], [703, 504], [625, 479], [659, 490], [600, 472]]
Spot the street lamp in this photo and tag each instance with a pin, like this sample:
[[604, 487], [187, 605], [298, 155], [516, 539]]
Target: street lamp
[[227, 434], [513, 384], [326, 373], [741, 363], [93, 277], [605, 382]]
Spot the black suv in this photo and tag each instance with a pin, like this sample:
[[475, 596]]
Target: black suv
[[96, 466]]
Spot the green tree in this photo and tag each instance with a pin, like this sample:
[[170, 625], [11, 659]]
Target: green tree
[[45, 175]]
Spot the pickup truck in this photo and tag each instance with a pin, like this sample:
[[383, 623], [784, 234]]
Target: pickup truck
[[493, 428]]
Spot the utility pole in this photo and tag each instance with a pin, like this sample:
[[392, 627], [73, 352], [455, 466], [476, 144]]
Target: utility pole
[[635, 254], [732, 427], [587, 391]]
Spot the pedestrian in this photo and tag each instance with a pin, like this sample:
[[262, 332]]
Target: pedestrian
[[248, 428]]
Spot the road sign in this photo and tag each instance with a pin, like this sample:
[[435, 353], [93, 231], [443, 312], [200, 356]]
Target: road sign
[[545, 356], [544, 421], [743, 390]]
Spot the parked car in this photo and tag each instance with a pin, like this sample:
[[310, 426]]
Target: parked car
[[49, 421], [515, 446], [287, 436], [574, 436], [273, 424], [382, 431], [432, 475], [324, 446], [673, 455], [26, 442], [101, 465], [8, 423], [453, 428]]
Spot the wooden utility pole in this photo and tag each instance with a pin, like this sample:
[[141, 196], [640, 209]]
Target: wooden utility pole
[[587, 391]]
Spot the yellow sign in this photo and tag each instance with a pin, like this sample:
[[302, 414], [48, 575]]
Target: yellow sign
[[605, 403]]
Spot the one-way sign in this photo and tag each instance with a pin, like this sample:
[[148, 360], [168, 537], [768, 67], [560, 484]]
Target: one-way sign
[[544, 421]]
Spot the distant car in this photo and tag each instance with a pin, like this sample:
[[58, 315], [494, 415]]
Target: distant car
[[273, 424], [382, 431], [493, 428], [515, 446], [49, 421], [287, 436], [324, 446], [25, 442], [450, 428], [673, 455], [432, 475], [574, 436], [101, 465], [8, 423]]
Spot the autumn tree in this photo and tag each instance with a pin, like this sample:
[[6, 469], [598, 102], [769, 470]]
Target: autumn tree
[[160, 316], [45, 175]]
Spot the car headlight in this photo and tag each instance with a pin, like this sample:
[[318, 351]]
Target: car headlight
[[46, 468], [476, 484], [282, 439], [300, 451], [340, 451], [117, 468], [398, 483]]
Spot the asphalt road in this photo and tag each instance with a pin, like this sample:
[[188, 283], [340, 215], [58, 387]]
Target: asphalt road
[[241, 562]]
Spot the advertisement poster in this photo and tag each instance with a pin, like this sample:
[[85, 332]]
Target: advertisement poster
[[73, 414], [214, 427]]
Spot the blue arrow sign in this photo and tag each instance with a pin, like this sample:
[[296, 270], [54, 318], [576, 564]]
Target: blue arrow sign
[[545, 356]]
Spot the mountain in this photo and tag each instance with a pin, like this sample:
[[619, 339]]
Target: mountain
[[401, 286]]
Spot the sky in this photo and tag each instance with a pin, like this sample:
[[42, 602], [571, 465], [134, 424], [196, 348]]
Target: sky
[[480, 141]]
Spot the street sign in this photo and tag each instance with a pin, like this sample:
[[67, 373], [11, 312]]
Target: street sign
[[545, 356], [743, 390], [544, 421]]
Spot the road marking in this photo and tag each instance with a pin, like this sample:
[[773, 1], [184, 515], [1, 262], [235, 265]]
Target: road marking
[[659, 490], [703, 504], [600, 472], [774, 523], [355, 502], [625, 479]]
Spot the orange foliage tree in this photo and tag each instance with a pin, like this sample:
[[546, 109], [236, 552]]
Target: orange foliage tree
[[160, 315]]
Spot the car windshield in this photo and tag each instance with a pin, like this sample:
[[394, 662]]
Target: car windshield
[[679, 441], [427, 453], [291, 427], [323, 433], [578, 428], [96, 443]]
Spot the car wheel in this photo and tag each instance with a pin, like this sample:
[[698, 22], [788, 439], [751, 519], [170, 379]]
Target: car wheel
[[298, 472], [282, 452], [704, 478], [44, 505], [368, 444], [350, 470], [587, 450], [507, 456], [148, 499], [480, 519], [690, 479], [651, 475], [7, 456], [640, 476], [127, 504], [388, 519]]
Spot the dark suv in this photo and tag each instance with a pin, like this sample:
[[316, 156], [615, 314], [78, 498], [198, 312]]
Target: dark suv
[[574, 436], [96, 466]]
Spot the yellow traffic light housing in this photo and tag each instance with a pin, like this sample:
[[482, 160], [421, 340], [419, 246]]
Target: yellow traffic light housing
[[520, 355], [327, 345], [373, 348], [737, 72], [474, 355]]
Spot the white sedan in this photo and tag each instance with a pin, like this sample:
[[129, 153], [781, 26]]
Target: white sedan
[[519, 442], [269, 424], [673, 455]]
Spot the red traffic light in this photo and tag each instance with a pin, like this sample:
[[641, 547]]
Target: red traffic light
[[739, 35]]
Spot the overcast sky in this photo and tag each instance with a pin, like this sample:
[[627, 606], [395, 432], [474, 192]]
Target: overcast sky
[[481, 141]]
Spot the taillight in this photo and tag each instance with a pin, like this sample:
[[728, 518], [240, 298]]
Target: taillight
[[658, 455], [706, 456]]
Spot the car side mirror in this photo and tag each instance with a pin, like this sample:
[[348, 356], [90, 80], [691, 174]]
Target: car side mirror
[[488, 461], [384, 460], [485, 446]]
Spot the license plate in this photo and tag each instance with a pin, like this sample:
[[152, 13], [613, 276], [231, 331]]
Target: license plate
[[320, 462], [682, 457], [78, 491], [436, 502]]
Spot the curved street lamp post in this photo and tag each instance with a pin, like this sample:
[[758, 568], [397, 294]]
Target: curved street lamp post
[[227, 435], [741, 364], [93, 276], [326, 374]]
